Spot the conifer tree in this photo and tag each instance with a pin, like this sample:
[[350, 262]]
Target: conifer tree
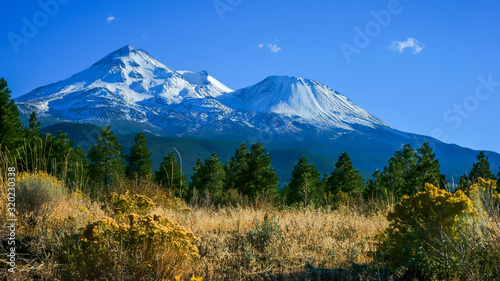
[[11, 128], [345, 177], [32, 132], [171, 177], [427, 170], [209, 176], [236, 167], [259, 178], [106, 159], [139, 159], [481, 169], [305, 185], [70, 161]]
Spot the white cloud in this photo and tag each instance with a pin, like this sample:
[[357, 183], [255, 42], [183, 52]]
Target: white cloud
[[274, 47], [412, 43], [110, 18], [145, 37], [261, 46]]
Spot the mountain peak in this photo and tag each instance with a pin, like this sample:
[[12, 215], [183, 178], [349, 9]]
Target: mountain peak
[[303, 99]]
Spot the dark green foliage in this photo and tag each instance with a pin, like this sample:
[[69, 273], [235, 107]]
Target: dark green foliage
[[70, 161], [106, 159], [408, 171], [208, 177], [11, 128], [139, 159], [480, 169], [345, 178], [171, 177], [374, 187], [305, 186], [236, 168], [32, 132], [259, 178], [427, 170]]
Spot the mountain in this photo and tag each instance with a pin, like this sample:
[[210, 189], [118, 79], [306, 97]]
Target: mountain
[[133, 92]]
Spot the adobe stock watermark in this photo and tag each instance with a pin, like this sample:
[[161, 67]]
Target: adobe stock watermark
[[223, 6], [31, 26], [460, 111], [363, 37]]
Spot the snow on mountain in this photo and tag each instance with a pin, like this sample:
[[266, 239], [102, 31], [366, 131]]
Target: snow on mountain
[[129, 85], [202, 78], [302, 99]]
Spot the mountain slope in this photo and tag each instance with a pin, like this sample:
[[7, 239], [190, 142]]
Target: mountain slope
[[131, 90]]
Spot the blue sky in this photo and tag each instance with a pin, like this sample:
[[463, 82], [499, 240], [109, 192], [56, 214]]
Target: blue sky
[[446, 82]]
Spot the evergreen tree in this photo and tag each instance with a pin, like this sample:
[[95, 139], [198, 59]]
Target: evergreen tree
[[106, 159], [400, 177], [209, 176], [427, 170], [11, 128], [236, 168], [305, 185], [259, 178], [481, 169], [70, 163], [374, 187], [139, 159], [171, 177], [32, 132], [345, 178]]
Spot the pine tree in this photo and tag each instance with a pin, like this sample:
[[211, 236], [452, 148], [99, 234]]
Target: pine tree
[[11, 128], [345, 178], [32, 132], [70, 161], [209, 177], [427, 170], [374, 187], [171, 177], [259, 178], [106, 159], [481, 169], [236, 167], [400, 177], [305, 185], [139, 159]]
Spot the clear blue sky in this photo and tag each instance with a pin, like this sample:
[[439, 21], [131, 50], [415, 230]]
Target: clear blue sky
[[430, 86]]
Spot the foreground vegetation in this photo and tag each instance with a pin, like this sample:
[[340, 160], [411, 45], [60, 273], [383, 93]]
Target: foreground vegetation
[[137, 231]]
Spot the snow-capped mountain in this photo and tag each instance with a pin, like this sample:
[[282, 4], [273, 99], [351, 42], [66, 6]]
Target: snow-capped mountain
[[129, 86], [133, 92]]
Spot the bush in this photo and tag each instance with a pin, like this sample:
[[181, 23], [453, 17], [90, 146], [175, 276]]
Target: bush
[[263, 234], [145, 248], [37, 196], [126, 203], [417, 222]]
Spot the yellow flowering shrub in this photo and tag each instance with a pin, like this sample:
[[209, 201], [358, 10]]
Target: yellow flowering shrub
[[150, 247], [485, 196], [418, 221], [126, 203]]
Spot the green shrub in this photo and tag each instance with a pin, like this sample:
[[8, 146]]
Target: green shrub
[[263, 233]]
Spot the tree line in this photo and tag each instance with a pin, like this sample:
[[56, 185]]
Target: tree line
[[248, 173]]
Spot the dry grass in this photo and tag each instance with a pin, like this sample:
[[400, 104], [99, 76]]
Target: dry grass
[[321, 238]]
